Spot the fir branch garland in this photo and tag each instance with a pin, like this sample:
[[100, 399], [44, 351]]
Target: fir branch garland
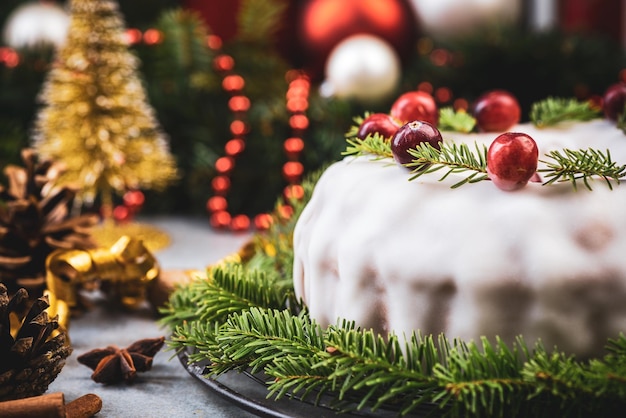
[[196, 336], [227, 289], [258, 337], [554, 110], [361, 370]]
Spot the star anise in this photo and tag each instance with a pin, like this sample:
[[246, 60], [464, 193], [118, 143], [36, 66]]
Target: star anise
[[113, 364]]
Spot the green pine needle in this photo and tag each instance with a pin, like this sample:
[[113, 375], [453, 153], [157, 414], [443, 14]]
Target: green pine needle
[[554, 110], [375, 145], [456, 121], [582, 165], [456, 158], [259, 337], [258, 21]]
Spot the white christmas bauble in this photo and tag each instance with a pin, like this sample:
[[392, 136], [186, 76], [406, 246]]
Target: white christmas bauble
[[362, 67], [454, 17], [37, 23]]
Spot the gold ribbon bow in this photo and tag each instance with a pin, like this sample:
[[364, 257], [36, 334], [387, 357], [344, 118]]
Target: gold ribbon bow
[[123, 272]]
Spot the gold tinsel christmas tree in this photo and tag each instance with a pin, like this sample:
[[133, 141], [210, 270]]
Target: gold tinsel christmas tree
[[96, 118]]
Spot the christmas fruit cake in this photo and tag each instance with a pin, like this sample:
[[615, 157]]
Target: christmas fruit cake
[[519, 245]]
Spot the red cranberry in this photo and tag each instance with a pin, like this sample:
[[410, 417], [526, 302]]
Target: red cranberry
[[382, 123], [409, 136], [512, 160], [614, 100], [415, 105], [496, 111]]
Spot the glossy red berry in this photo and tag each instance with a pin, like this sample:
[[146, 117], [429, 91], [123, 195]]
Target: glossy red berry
[[409, 136], [614, 100], [512, 160], [496, 111], [415, 105], [382, 123]]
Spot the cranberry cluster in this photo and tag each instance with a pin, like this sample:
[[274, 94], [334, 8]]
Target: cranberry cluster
[[511, 158]]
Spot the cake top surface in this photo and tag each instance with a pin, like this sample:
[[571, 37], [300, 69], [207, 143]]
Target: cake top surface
[[595, 136]]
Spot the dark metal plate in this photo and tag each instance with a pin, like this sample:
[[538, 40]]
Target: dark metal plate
[[250, 393]]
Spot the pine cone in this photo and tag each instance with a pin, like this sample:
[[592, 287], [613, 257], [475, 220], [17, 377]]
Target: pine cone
[[35, 219], [31, 356]]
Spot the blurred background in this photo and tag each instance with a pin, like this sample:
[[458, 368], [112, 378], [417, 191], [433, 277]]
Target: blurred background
[[353, 55]]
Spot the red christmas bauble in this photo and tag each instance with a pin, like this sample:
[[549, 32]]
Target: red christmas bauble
[[599, 17], [325, 23], [219, 15]]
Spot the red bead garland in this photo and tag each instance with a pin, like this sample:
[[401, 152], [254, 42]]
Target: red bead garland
[[239, 104], [297, 104]]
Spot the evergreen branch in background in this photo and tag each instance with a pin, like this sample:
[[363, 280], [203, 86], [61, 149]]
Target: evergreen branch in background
[[456, 158], [273, 250], [183, 57], [259, 20], [456, 121], [553, 110], [581, 165]]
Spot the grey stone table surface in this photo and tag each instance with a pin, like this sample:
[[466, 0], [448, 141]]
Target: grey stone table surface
[[167, 390]]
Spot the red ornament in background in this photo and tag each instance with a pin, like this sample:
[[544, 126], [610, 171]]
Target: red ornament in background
[[325, 23], [219, 15], [605, 17]]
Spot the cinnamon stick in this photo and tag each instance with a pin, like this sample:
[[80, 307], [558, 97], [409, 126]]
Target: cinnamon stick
[[45, 406], [51, 405], [84, 407]]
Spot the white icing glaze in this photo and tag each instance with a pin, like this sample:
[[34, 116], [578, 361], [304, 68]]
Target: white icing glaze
[[545, 261]]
